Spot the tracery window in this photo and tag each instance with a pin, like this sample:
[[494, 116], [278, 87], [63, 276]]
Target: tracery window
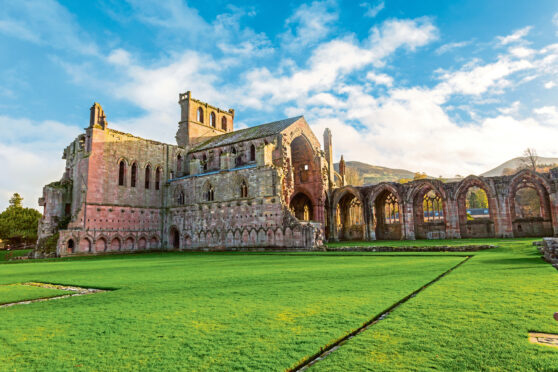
[[213, 120], [147, 177], [391, 209], [432, 207], [243, 189], [200, 115], [121, 173], [134, 175]]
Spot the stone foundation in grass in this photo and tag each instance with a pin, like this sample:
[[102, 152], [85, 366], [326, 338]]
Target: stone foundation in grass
[[549, 251], [439, 248]]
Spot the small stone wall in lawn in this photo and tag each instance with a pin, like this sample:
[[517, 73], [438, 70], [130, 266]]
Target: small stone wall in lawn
[[549, 250], [437, 248]]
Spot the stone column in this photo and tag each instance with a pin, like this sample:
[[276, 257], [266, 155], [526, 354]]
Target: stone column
[[408, 228], [503, 218], [452, 219]]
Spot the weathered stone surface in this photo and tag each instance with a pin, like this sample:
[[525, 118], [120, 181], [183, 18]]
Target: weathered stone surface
[[255, 188]]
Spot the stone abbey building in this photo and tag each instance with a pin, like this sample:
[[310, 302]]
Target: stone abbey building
[[270, 186]]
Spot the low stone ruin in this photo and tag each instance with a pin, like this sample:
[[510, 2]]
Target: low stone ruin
[[549, 250]]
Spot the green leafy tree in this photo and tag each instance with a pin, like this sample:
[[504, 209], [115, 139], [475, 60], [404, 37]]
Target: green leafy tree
[[18, 225]]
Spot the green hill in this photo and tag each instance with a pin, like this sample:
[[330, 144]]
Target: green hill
[[516, 163], [375, 174]]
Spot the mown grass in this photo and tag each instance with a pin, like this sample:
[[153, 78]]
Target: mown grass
[[476, 319], [17, 292], [201, 311], [4, 254], [174, 311], [420, 243]]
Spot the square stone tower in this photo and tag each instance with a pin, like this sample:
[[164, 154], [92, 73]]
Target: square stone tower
[[200, 121]]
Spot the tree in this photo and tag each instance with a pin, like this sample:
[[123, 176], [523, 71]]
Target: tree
[[18, 225], [16, 200], [529, 159], [352, 177]]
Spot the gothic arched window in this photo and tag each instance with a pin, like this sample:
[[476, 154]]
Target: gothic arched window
[[134, 175], [252, 153], [122, 173], [147, 176], [210, 195], [213, 120], [200, 115], [243, 189], [224, 123], [158, 178], [181, 198]]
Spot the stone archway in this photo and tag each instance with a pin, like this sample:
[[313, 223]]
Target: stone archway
[[302, 207], [349, 218], [388, 215], [477, 209], [530, 208], [174, 238]]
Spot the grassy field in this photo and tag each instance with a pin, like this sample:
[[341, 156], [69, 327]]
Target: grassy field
[[17, 292], [15, 253], [416, 243], [268, 312]]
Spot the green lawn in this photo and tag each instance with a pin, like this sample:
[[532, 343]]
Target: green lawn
[[17, 292], [15, 253], [221, 312], [477, 319], [417, 243], [202, 311]]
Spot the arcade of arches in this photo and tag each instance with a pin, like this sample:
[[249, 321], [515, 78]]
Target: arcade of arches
[[520, 205]]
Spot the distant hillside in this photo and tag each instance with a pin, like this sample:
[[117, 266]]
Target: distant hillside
[[376, 174], [516, 163]]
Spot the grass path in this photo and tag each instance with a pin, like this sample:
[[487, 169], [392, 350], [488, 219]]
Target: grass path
[[475, 319]]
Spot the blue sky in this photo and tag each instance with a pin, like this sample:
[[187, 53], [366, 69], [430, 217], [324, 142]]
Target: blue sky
[[436, 86]]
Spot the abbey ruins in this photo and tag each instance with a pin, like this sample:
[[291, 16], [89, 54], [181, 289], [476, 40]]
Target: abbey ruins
[[269, 186]]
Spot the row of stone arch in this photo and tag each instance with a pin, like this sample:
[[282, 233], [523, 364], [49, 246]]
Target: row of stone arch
[[261, 237], [116, 243], [397, 211]]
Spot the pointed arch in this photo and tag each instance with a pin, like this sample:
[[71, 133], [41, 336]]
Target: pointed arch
[[224, 123], [213, 120], [122, 173], [199, 116], [147, 177], [134, 174]]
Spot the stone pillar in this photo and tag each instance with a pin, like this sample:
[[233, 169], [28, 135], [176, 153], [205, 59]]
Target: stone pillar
[[554, 212], [264, 155], [503, 218], [408, 228], [195, 167], [452, 220]]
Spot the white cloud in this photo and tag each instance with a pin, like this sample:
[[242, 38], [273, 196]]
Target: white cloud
[[547, 113], [372, 11], [511, 110], [380, 79], [517, 36], [451, 46], [310, 24], [549, 84], [45, 22], [29, 159]]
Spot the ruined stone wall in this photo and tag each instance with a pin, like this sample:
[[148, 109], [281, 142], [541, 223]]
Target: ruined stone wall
[[500, 191], [230, 220]]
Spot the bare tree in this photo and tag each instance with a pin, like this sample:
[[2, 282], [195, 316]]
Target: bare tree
[[529, 160], [352, 177]]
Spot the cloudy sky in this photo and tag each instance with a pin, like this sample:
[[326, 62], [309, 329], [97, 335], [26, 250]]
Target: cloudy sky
[[435, 86]]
